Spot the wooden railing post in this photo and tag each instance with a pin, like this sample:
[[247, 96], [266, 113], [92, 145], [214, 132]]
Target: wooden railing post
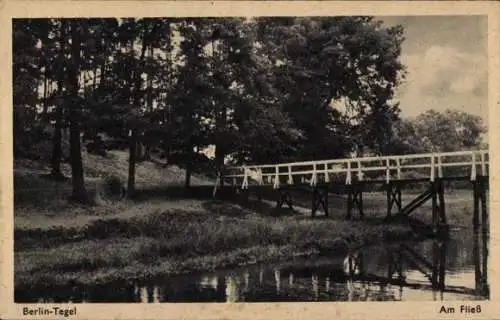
[[290, 178], [244, 184], [388, 170], [327, 177], [360, 171], [314, 176], [433, 164], [276, 178], [348, 178], [440, 167], [483, 164], [398, 164], [473, 172]]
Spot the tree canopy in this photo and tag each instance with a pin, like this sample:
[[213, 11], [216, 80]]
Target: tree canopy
[[434, 131], [256, 90]]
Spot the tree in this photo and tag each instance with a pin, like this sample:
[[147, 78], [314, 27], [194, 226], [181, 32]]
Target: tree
[[190, 100], [321, 60], [434, 131], [26, 75], [150, 33], [245, 119], [75, 108]]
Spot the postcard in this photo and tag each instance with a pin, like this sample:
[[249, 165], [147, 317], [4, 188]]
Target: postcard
[[249, 159]]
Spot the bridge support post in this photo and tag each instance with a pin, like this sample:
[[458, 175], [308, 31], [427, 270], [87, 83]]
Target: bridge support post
[[320, 197], [395, 263], [354, 198], [393, 197], [438, 205], [480, 253], [438, 265], [284, 197], [480, 208]]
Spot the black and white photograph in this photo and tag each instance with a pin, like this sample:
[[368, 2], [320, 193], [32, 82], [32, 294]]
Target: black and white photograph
[[244, 159]]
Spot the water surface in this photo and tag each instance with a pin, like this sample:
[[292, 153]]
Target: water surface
[[430, 270]]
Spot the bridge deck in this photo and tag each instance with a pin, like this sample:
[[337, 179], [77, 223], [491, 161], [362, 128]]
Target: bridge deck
[[461, 165]]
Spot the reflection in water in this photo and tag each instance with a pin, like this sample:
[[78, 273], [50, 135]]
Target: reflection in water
[[247, 280], [429, 270], [315, 286], [231, 289], [210, 282], [277, 279]]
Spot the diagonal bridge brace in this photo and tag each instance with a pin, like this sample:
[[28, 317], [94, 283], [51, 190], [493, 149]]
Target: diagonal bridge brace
[[417, 202], [435, 192], [393, 197], [319, 198], [355, 199], [284, 197]]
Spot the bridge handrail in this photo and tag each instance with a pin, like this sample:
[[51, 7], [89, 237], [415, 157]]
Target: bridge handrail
[[363, 159], [327, 167]]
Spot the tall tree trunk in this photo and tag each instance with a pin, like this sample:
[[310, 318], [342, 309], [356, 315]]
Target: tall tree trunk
[[219, 161], [45, 93], [94, 78], [220, 144], [147, 138], [189, 170], [56, 140], [79, 192], [131, 161], [134, 135]]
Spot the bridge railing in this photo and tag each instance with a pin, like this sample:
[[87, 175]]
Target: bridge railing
[[414, 166]]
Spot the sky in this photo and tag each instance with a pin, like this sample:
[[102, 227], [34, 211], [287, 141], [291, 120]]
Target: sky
[[447, 64]]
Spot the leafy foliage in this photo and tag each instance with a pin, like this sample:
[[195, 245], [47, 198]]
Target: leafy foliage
[[435, 131], [255, 90]]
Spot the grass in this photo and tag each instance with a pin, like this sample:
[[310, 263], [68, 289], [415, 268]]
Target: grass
[[57, 242], [458, 205], [176, 242]]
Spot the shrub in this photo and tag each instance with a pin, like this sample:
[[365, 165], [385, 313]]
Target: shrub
[[113, 187]]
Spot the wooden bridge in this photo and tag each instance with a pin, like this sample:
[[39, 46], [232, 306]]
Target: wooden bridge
[[352, 176]]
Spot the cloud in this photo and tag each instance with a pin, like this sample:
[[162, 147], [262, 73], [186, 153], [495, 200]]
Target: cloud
[[446, 59], [442, 77]]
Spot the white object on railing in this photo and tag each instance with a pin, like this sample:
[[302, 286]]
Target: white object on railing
[[440, 167], [259, 177], [327, 176], [433, 167], [473, 169], [290, 178], [314, 176], [388, 170], [277, 178], [244, 184], [360, 171], [348, 178]]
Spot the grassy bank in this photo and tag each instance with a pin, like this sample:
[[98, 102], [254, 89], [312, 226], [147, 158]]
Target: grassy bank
[[177, 242], [57, 242]]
